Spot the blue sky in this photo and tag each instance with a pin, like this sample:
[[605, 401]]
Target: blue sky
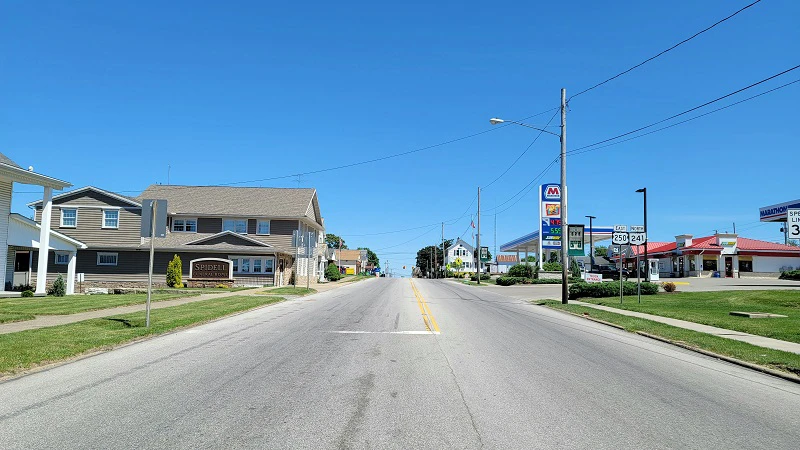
[[109, 95]]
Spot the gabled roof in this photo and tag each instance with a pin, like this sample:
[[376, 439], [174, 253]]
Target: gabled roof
[[7, 161], [653, 248], [237, 201], [463, 243], [113, 195], [227, 233]]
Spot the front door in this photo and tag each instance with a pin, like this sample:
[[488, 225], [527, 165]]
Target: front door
[[728, 267], [22, 265]]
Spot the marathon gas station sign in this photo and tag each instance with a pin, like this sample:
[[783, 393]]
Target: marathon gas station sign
[[550, 231], [779, 212]]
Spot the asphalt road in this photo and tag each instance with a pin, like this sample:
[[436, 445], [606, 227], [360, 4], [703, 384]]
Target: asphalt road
[[355, 368]]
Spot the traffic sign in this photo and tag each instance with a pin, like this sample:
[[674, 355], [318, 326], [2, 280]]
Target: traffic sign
[[620, 228], [793, 223], [637, 228], [619, 237], [637, 238]]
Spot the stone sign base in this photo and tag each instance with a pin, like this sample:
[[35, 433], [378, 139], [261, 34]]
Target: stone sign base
[[208, 283]]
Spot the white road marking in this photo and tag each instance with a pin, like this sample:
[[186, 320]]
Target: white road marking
[[384, 332]]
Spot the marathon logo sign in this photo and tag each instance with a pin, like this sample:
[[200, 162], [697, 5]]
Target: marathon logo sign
[[777, 211], [551, 192]]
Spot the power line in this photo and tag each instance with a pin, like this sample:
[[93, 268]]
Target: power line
[[665, 51], [684, 112], [406, 242], [540, 175], [523, 153], [684, 121]]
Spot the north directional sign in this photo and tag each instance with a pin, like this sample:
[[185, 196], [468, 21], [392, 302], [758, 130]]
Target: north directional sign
[[637, 228], [793, 223], [637, 238]]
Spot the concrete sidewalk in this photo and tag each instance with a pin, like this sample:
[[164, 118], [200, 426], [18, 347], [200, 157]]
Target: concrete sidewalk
[[43, 321], [760, 341]]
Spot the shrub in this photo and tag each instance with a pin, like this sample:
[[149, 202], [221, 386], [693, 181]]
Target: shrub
[[175, 272], [609, 289], [221, 286], [521, 270], [551, 267], [669, 286], [22, 287], [574, 269], [331, 273], [508, 281], [484, 276], [59, 288], [790, 275], [536, 271], [27, 293]]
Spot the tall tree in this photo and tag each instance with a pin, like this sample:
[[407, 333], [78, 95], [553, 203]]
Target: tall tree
[[372, 258], [333, 241]]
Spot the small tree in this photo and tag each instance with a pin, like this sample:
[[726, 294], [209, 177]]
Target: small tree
[[59, 288], [332, 272], [175, 272], [574, 268]]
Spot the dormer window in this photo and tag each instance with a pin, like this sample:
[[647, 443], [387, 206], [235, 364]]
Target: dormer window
[[110, 218], [235, 225], [184, 225]]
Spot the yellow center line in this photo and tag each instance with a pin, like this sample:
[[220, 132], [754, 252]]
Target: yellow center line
[[427, 316]]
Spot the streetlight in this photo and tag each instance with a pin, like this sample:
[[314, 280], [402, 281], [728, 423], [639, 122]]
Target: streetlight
[[591, 242], [646, 261], [563, 206]]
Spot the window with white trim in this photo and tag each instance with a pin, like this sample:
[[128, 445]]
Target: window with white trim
[[245, 265], [256, 266], [235, 225], [253, 264], [263, 227], [184, 225], [62, 258], [107, 259], [110, 218], [69, 217]]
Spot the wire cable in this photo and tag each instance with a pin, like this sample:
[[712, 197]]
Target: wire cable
[[665, 51], [686, 111]]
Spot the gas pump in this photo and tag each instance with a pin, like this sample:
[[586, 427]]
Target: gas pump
[[652, 265]]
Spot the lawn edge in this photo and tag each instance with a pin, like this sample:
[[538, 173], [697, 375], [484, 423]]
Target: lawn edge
[[54, 364], [769, 371]]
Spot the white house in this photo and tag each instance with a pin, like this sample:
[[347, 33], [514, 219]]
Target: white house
[[20, 237], [461, 249]]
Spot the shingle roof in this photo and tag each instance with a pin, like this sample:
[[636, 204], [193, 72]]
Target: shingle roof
[[180, 241], [349, 255], [231, 201], [6, 160]]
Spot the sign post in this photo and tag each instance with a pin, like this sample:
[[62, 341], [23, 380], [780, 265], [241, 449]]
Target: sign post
[[154, 224], [793, 223], [620, 237], [638, 236], [308, 259]]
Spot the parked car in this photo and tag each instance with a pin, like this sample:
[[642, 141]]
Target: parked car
[[610, 271]]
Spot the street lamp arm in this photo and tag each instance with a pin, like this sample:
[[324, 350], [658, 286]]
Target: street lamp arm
[[495, 121]]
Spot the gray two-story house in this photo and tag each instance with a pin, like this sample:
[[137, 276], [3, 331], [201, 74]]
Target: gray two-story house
[[252, 227]]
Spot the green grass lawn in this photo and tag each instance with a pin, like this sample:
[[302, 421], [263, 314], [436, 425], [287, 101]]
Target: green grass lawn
[[71, 304], [776, 359], [14, 317], [483, 282], [205, 290], [289, 290], [349, 278], [25, 349], [713, 308]]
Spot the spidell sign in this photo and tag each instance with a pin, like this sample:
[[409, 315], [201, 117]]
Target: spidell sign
[[211, 269]]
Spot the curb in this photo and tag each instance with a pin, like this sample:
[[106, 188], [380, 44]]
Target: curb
[[766, 370]]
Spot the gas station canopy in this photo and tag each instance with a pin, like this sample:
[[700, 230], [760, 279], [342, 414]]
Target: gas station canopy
[[777, 213], [530, 242]]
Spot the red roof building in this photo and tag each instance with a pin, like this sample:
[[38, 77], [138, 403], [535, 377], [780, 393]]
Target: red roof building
[[727, 254]]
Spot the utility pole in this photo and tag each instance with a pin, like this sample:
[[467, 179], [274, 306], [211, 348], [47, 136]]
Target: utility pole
[[478, 238], [495, 236], [564, 222], [444, 256]]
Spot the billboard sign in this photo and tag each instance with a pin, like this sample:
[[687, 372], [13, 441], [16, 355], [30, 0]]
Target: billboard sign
[[550, 230]]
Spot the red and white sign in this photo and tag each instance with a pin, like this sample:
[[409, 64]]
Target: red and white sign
[[593, 278]]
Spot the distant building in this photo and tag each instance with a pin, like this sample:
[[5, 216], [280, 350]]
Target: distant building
[[502, 263]]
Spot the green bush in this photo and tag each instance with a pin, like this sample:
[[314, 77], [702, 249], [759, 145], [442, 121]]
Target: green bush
[[221, 286], [536, 271], [574, 269], [521, 270], [27, 293], [551, 267], [790, 275], [332, 273], [609, 289], [59, 288], [508, 281], [175, 272], [484, 277]]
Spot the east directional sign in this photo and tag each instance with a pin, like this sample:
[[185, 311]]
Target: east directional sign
[[575, 240], [793, 223], [620, 235]]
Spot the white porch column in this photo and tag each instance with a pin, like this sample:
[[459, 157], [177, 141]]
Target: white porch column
[[71, 272], [44, 241]]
